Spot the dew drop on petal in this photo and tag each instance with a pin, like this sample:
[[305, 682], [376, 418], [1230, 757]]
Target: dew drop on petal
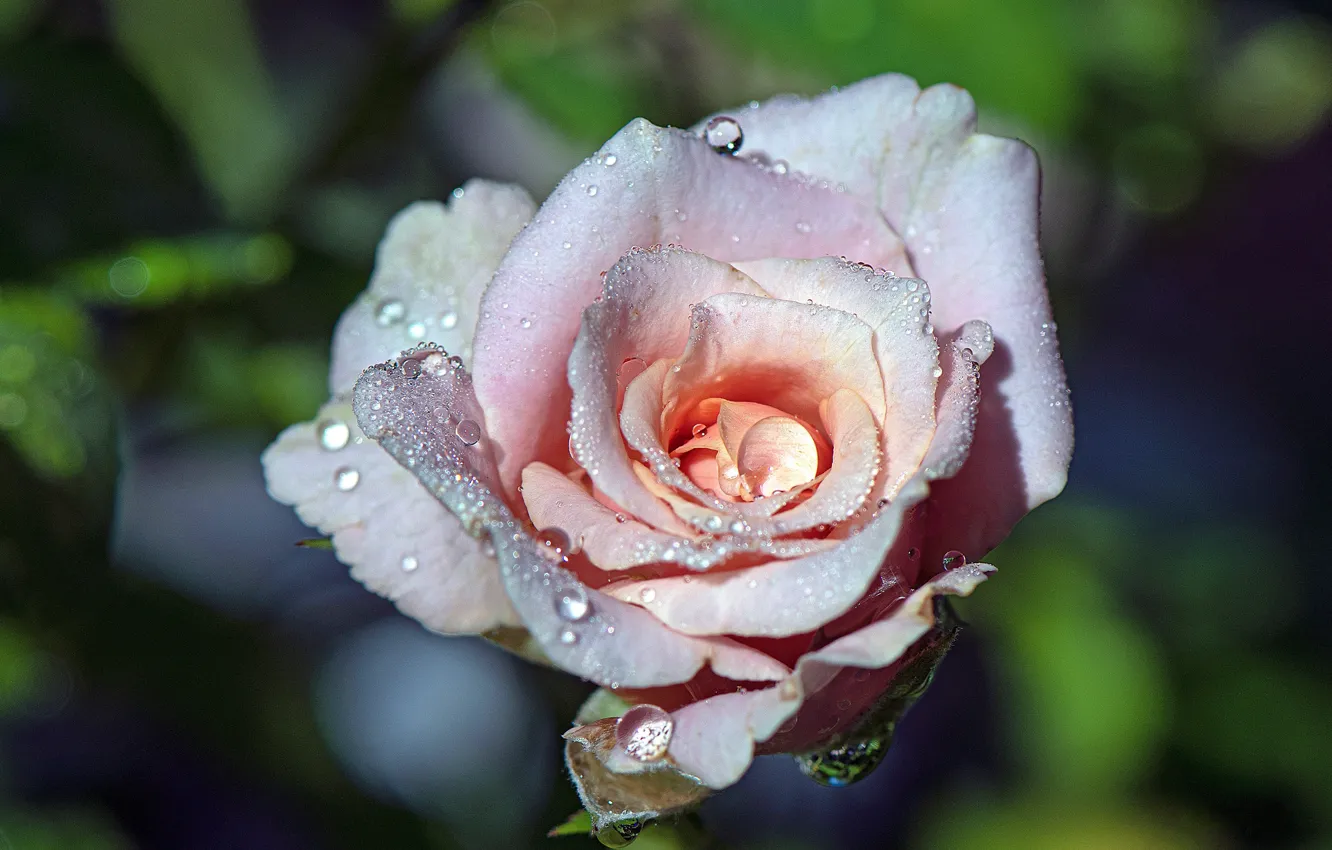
[[568, 637], [610, 160], [411, 368], [723, 135], [468, 431], [700, 430], [554, 543], [525, 322], [409, 563], [644, 732], [390, 311], [592, 191], [647, 594], [954, 559], [571, 604], [333, 434], [346, 478]]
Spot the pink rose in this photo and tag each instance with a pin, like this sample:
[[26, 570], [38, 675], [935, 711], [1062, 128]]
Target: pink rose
[[726, 479]]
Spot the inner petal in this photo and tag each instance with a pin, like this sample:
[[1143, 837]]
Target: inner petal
[[731, 456]]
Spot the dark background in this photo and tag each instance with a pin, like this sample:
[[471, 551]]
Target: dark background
[[191, 192]]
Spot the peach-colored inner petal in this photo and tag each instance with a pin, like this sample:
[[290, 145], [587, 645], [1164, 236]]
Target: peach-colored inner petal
[[730, 456]]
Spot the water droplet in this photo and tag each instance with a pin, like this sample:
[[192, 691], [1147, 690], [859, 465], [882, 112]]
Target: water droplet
[[619, 834], [592, 191], [554, 543], [803, 226], [844, 765], [390, 311], [525, 322], [938, 371], [610, 159], [333, 434], [568, 637], [723, 135], [571, 604], [644, 732], [953, 559], [621, 518], [700, 430], [449, 320], [411, 368], [913, 553], [468, 431], [409, 563], [647, 594], [346, 478]]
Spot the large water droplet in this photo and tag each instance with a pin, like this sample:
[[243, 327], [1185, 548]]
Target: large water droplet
[[644, 732], [390, 311], [844, 765], [333, 434], [619, 834], [700, 430], [469, 432], [572, 604], [554, 543], [411, 368], [346, 478], [723, 135], [953, 559]]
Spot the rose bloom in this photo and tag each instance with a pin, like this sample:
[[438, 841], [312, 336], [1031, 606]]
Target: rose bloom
[[717, 427]]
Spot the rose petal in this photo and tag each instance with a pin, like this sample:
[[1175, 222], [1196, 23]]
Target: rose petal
[[714, 738], [397, 539], [554, 500], [898, 311], [412, 413], [666, 186], [817, 352], [958, 399], [643, 314], [779, 598], [967, 205], [431, 268]]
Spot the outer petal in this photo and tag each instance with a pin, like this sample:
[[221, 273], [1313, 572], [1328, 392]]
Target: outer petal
[[648, 185], [413, 413], [714, 739], [958, 399], [780, 598], [967, 205], [898, 310], [431, 268], [398, 540]]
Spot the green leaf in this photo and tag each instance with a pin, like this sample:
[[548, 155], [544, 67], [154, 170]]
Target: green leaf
[[579, 823]]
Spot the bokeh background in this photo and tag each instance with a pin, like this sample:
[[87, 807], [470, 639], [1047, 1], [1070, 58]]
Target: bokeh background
[[190, 193]]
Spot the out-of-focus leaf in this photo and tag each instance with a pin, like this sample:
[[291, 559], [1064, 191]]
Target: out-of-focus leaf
[[420, 11], [1159, 168], [235, 383], [67, 829], [1039, 824], [159, 271], [572, 64], [51, 406], [14, 16], [1088, 691], [201, 60], [1013, 55], [1276, 88], [1141, 46], [20, 667]]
